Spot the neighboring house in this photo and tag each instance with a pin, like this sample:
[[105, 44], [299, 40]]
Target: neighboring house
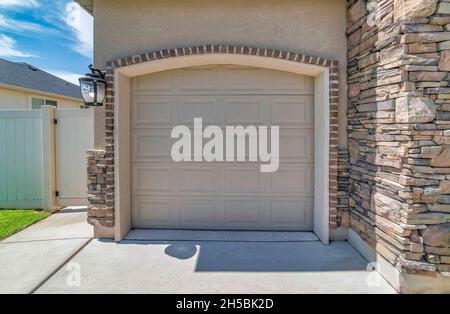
[[23, 86], [359, 91]]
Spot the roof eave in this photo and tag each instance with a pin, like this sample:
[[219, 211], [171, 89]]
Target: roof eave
[[87, 5]]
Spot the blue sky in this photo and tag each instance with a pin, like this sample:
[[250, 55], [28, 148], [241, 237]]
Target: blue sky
[[53, 35]]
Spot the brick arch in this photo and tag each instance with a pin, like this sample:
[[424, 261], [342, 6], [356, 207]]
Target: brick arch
[[290, 59], [224, 49]]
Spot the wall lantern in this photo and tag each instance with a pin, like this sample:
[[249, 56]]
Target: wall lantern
[[93, 87]]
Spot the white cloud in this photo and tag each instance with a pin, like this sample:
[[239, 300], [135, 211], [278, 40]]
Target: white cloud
[[20, 26], [67, 76], [8, 48], [19, 3], [82, 25]]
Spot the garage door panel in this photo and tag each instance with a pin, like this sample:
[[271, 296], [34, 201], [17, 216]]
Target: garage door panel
[[293, 146], [243, 213], [198, 79], [198, 178], [191, 107], [158, 83], [223, 213], [285, 83], [237, 79], [292, 111], [293, 178], [151, 145], [296, 146], [221, 179], [154, 211], [164, 111], [289, 213], [199, 211], [153, 112], [243, 179], [222, 79], [246, 110], [152, 178]]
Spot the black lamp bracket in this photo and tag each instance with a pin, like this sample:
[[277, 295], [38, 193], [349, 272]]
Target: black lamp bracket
[[96, 72]]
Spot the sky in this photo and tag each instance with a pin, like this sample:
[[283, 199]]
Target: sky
[[53, 35]]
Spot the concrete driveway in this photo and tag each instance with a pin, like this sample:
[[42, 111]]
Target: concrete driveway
[[212, 262], [58, 255], [30, 257]]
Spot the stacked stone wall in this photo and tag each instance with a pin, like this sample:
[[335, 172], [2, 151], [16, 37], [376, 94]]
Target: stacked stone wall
[[399, 130], [100, 212]]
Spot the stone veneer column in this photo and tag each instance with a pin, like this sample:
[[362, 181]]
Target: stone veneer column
[[399, 132], [100, 214]]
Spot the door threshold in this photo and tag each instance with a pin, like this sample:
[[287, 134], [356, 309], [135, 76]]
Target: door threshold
[[220, 235]]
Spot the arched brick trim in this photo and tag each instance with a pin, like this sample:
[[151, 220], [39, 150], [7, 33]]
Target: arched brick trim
[[101, 211]]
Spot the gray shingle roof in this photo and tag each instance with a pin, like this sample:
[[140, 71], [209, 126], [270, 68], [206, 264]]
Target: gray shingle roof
[[26, 76]]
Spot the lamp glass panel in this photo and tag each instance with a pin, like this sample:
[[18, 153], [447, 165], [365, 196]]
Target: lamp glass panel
[[87, 91]]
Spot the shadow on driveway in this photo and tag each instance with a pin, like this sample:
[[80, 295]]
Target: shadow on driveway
[[262, 256]]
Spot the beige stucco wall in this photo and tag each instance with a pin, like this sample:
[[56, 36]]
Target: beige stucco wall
[[315, 27], [10, 99], [18, 99]]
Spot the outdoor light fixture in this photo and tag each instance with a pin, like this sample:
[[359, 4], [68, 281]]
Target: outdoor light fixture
[[93, 87]]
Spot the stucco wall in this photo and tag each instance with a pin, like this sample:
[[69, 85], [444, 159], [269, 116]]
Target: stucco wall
[[314, 27], [16, 99], [10, 99]]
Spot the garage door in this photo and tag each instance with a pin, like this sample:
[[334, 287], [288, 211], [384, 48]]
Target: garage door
[[221, 195]]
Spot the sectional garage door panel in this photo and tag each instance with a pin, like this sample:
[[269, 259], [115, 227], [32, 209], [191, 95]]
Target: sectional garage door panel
[[222, 80], [284, 213], [221, 179], [289, 111], [154, 145], [222, 195]]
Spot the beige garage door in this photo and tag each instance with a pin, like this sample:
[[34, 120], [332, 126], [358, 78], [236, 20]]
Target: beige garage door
[[221, 195]]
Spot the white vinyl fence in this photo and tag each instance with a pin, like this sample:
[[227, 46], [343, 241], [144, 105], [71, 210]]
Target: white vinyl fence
[[43, 157], [74, 136]]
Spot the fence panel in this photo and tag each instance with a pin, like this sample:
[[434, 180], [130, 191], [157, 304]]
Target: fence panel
[[21, 159]]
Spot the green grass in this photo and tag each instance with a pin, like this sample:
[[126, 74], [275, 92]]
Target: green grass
[[15, 220]]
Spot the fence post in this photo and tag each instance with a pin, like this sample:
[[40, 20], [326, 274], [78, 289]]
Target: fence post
[[49, 158]]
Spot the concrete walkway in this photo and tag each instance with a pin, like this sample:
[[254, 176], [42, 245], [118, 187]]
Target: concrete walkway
[[29, 257], [142, 264]]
